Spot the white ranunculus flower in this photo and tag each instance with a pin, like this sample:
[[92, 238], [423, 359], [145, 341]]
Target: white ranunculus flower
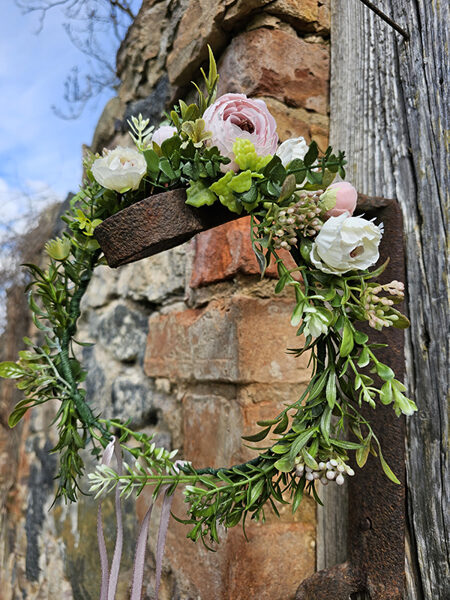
[[346, 243], [120, 169], [291, 149]]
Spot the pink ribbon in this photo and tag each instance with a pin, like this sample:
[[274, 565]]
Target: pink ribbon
[[110, 578]]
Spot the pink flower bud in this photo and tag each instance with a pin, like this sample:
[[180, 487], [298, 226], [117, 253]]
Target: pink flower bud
[[344, 195]]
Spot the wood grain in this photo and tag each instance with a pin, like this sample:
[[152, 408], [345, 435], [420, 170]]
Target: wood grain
[[389, 111]]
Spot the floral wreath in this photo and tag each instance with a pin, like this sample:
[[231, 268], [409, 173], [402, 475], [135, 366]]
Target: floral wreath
[[226, 151]]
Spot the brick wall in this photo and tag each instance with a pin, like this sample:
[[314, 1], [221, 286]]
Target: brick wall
[[190, 344]]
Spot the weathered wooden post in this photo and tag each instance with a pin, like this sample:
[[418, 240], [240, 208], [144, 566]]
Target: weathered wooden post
[[389, 111]]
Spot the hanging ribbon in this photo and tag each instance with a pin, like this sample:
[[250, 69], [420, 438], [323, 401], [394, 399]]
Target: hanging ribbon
[[110, 578]]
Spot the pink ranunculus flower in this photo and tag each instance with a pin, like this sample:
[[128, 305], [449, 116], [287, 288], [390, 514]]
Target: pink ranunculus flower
[[341, 197], [163, 133], [236, 116]]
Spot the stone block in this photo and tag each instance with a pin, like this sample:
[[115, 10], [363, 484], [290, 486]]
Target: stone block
[[238, 340], [250, 571], [212, 434], [304, 15], [279, 65], [293, 122], [155, 278], [122, 331], [226, 251], [199, 26]]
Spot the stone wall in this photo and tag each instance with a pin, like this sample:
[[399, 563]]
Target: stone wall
[[190, 344]]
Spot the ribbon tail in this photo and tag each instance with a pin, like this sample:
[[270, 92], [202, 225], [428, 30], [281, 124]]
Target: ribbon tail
[[139, 557], [103, 555], [115, 565], [162, 533]]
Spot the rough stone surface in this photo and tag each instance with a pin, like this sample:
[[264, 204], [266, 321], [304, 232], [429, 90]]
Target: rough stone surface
[[122, 330], [305, 15], [237, 340], [156, 278], [255, 63], [293, 122], [199, 27]]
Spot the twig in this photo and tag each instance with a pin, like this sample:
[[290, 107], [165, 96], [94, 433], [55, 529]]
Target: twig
[[385, 18]]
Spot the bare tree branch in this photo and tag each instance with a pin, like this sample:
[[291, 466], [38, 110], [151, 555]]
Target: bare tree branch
[[96, 28]]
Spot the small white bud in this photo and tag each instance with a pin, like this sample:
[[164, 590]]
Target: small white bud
[[323, 481], [308, 470], [340, 468], [340, 479], [322, 466], [334, 462], [316, 475], [350, 471], [331, 475], [309, 476]]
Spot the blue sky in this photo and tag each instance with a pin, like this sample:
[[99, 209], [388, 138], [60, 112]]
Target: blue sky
[[40, 154]]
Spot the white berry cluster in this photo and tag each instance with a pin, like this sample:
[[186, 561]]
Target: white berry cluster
[[378, 308], [332, 470], [302, 216]]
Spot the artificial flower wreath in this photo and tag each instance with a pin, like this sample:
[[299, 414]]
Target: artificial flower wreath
[[227, 151]]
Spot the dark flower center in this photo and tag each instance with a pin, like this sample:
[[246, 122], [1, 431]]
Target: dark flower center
[[357, 251], [247, 125]]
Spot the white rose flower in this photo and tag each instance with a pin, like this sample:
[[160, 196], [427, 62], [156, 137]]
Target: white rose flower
[[345, 243], [120, 169], [291, 149]]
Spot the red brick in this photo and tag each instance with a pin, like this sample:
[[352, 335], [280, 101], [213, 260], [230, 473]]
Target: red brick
[[226, 251], [239, 339]]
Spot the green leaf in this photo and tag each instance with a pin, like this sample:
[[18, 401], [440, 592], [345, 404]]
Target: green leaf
[[311, 155], [166, 168], [280, 448], [325, 422], [281, 427], [301, 441], [152, 161], [298, 496], [385, 372], [364, 358], [345, 444], [255, 492], [16, 416], [310, 461], [387, 469], [360, 337], [362, 455], [347, 340], [197, 194], [257, 437], [11, 370], [330, 390], [285, 464], [169, 145], [281, 283]]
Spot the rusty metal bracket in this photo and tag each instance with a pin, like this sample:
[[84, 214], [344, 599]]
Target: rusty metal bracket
[[376, 523], [376, 512], [164, 221]]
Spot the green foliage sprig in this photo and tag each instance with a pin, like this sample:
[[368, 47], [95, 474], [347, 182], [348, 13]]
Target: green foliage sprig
[[308, 440]]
